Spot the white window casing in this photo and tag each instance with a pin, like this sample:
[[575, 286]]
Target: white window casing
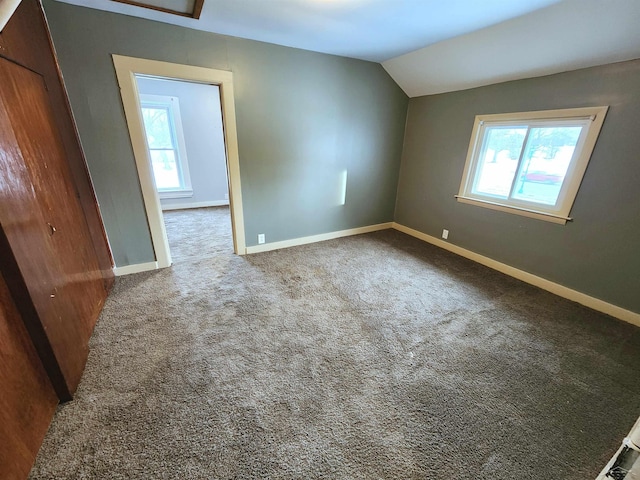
[[172, 104], [557, 207]]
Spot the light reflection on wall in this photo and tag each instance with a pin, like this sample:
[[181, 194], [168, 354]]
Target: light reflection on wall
[[342, 200]]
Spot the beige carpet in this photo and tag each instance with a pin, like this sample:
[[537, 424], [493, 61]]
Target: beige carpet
[[198, 233], [369, 357]]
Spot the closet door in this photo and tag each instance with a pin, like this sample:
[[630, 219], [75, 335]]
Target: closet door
[[45, 229], [26, 40]]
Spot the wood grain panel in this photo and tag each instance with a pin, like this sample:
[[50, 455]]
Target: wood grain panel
[[28, 400], [27, 41], [57, 265], [41, 219], [42, 150]]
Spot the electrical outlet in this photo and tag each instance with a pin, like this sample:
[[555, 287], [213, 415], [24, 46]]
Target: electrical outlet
[[445, 233], [226, 196], [261, 239]]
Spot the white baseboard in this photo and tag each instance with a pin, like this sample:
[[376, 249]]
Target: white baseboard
[[184, 206], [557, 289], [136, 268], [317, 238]]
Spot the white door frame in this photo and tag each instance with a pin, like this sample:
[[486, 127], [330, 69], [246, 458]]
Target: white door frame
[[126, 70]]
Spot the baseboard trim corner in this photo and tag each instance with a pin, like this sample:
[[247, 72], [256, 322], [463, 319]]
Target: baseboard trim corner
[[555, 288], [294, 242], [136, 268]]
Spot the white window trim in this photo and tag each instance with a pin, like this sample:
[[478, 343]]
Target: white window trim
[[173, 103], [560, 212]]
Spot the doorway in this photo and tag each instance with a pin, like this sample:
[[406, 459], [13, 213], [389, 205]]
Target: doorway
[[185, 140], [127, 70]]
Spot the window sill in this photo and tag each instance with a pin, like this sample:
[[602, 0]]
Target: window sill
[[547, 217], [175, 194]]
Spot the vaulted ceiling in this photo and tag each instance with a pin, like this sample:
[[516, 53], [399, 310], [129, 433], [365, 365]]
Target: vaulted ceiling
[[430, 46]]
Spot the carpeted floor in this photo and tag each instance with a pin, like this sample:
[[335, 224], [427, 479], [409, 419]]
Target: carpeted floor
[[369, 357], [199, 233]]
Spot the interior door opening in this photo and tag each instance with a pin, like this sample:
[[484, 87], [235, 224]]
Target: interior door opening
[[128, 70], [185, 142]]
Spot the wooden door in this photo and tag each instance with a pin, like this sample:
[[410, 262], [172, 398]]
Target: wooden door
[[27, 41], [44, 226], [28, 400]]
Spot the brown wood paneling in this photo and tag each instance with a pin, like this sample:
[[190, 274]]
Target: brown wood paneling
[[27, 41], [42, 221], [28, 400], [21, 296], [38, 137], [55, 257]]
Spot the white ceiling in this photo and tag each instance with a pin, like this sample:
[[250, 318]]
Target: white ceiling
[[431, 46], [566, 36]]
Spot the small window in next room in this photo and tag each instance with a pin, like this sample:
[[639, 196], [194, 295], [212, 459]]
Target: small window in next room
[[530, 163], [165, 139]]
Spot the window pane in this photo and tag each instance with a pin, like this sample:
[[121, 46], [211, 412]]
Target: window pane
[[499, 160], [545, 163], [157, 127], [165, 169]]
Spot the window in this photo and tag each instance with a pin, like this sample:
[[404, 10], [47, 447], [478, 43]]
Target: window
[[530, 163], [165, 139]]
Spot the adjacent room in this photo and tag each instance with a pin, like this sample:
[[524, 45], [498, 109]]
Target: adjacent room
[[184, 131], [320, 239]]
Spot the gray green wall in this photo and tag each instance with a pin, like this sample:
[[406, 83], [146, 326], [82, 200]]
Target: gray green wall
[[599, 252], [302, 119]]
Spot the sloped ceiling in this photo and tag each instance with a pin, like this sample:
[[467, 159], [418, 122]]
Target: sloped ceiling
[[374, 30], [566, 36], [431, 46]]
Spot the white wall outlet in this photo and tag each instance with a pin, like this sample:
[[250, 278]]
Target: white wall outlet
[[261, 239], [226, 196], [445, 233]]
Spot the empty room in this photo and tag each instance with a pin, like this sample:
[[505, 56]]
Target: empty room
[[350, 239]]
